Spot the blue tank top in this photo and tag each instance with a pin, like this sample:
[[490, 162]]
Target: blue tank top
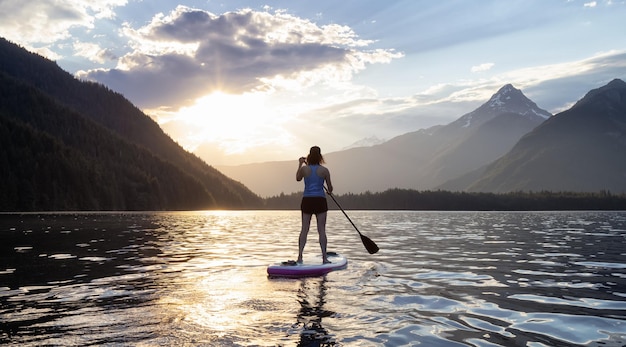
[[313, 184]]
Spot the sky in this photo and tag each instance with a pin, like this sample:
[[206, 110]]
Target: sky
[[253, 81]]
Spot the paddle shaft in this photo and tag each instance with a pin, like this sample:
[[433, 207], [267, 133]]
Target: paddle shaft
[[367, 242], [344, 212]]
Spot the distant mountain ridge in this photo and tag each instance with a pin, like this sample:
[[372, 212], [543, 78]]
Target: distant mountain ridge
[[483, 135], [419, 160], [507, 144], [365, 142], [581, 149], [102, 152]]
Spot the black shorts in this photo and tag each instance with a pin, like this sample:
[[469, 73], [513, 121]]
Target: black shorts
[[313, 205]]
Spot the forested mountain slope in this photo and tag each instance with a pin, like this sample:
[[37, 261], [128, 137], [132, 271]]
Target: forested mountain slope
[[69, 144]]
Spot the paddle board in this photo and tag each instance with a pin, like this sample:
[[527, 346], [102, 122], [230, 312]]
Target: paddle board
[[307, 268]]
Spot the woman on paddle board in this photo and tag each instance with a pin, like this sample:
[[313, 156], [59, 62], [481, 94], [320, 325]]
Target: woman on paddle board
[[313, 199]]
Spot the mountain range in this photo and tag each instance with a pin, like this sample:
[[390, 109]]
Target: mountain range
[[73, 145], [67, 144], [507, 144], [419, 160], [582, 149]]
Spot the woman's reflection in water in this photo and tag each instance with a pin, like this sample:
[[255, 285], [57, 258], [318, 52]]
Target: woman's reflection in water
[[312, 297]]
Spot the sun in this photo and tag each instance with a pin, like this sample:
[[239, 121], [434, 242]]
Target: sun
[[235, 122]]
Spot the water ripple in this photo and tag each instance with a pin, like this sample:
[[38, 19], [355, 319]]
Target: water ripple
[[198, 278]]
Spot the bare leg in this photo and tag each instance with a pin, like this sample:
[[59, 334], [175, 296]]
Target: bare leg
[[321, 230], [304, 232]]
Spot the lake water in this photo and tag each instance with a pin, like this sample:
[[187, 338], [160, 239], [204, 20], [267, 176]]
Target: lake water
[[199, 279]]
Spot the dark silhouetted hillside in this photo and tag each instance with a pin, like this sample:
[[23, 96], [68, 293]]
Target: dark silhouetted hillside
[[68, 144]]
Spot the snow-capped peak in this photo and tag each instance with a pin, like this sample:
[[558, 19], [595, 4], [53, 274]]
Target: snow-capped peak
[[500, 98], [507, 100], [366, 142]]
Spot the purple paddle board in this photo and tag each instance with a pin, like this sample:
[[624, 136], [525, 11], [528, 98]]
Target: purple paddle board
[[307, 268]]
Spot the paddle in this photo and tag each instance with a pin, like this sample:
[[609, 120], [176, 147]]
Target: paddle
[[367, 242]]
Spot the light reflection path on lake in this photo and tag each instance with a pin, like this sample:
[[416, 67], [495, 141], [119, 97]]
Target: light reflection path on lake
[[198, 278]]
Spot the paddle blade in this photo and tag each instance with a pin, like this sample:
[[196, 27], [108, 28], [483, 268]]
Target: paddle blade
[[369, 244]]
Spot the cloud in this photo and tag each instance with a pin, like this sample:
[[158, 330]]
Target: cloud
[[561, 90], [347, 117], [482, 67], [93, 52], [47, 21], [186, 54], [590, 4], [553, 87]]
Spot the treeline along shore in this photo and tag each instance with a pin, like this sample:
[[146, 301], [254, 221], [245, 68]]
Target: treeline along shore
[[407, 199]]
